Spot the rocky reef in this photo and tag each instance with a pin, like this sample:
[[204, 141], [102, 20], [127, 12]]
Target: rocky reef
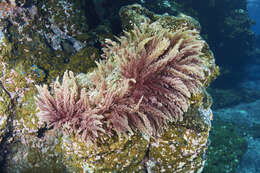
[[32, 141], [225, 25], [44, 38]]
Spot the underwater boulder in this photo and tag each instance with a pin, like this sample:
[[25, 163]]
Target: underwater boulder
[[144, 108]]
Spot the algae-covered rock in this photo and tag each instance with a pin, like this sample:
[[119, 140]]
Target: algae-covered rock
[[115, 154], [35, 145], [40, 37], [136, 14]]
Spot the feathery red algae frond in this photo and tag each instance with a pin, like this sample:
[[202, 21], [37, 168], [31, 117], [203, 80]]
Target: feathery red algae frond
[[166, 68], [68, 107], [146, 81]]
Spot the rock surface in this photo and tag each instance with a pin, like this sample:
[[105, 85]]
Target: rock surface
[[26, 144]]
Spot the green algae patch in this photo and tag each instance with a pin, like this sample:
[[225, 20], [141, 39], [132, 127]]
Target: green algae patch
[[26, 111], [5, 103], [178, 150], [84, 60], [113, 154]]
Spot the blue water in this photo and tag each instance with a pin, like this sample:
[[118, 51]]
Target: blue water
[[254, 13]]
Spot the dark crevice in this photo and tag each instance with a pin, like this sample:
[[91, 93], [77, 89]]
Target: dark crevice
[[146, 159], [88, 9], [41, 131]]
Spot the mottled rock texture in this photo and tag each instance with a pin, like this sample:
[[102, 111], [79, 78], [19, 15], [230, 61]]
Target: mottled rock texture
[[31, 145]]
